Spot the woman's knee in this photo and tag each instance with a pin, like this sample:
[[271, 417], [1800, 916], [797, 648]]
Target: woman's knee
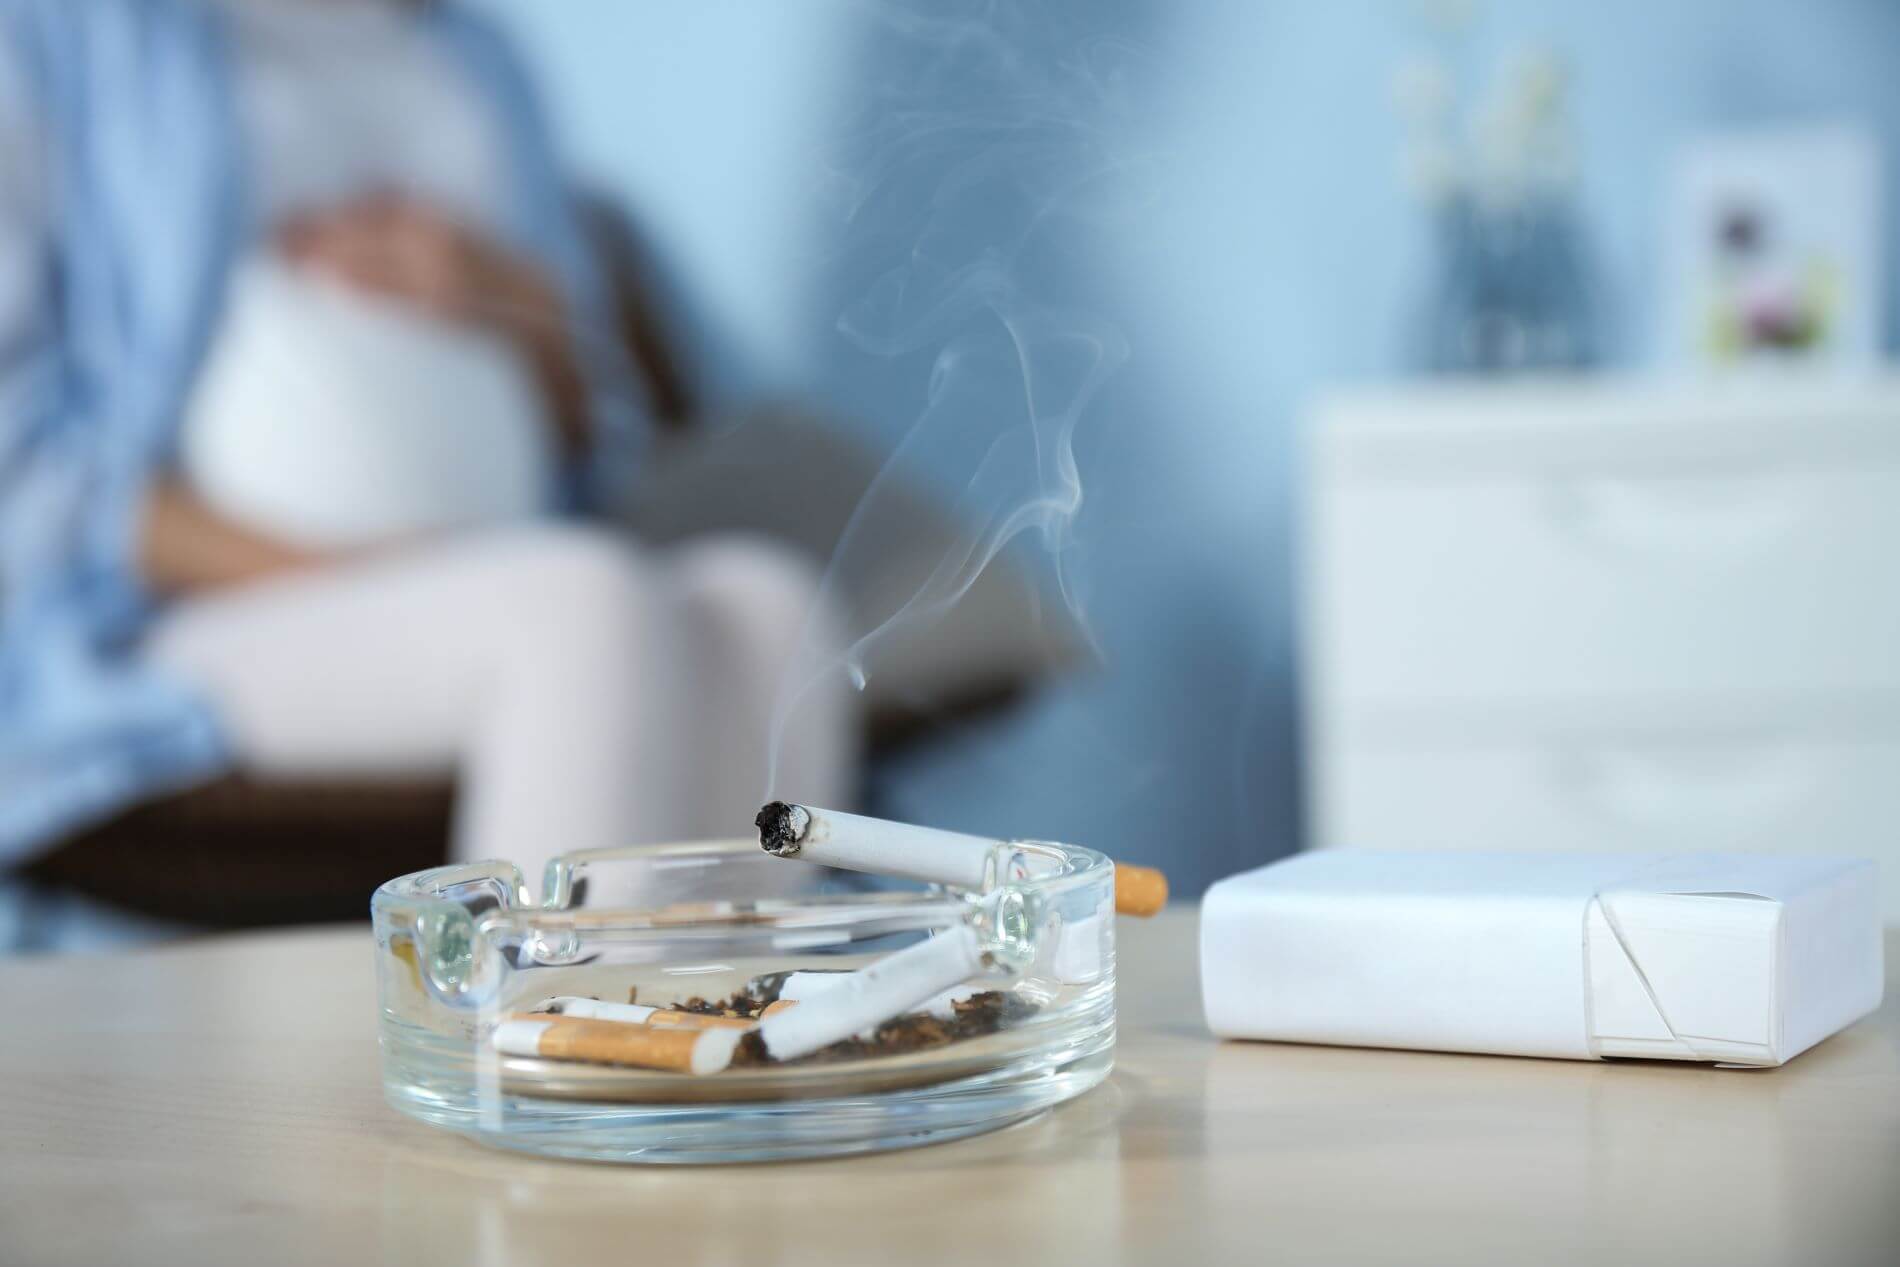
[[573, 589]]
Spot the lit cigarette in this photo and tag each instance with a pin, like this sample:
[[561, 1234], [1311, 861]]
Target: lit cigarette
[[810, 985], [694, 1051], [864, 999], [639, 1014], [855, 843]]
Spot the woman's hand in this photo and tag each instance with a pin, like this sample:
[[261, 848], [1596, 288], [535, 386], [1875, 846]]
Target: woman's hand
[[414, 254], [185, 546]]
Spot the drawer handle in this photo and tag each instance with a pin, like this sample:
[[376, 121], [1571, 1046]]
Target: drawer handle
[[1683, 514], [1739, 787]]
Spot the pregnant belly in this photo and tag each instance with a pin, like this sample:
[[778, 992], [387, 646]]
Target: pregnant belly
[[330, 418]]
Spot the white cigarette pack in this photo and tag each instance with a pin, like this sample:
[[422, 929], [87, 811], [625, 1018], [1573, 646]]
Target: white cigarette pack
[[1730, 959]]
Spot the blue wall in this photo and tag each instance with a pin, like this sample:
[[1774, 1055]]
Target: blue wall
[[1218, 180]]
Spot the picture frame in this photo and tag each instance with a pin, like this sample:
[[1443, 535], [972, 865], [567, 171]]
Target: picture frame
[[1773, 253]]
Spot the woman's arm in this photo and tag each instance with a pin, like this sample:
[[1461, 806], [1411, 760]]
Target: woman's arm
[[185, 546], [152, 534]]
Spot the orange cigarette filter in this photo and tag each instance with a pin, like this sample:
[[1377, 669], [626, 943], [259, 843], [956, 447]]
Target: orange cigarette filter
[[1139, 890], [674, 1049]]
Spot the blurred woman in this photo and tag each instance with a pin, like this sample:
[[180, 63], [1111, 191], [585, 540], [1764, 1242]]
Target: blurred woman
[[302, 388]]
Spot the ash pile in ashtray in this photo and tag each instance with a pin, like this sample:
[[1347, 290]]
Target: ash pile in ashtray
[[982, 1013]]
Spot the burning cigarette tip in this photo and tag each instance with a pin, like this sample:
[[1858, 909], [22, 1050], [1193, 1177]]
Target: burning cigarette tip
[[782, 827]]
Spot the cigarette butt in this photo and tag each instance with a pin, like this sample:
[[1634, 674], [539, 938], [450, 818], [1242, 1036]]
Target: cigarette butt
[[672, 1019], [658, 1020], [777, 1005], [1139, 890], [595, 1009], [873, 994], [694, 1051], [638, 1014], [403, 947], [811, 985]]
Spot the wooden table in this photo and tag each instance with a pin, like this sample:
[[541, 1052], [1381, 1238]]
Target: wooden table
[[218, 1102]]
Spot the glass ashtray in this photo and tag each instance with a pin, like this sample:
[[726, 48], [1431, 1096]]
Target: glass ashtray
[[717, 929]]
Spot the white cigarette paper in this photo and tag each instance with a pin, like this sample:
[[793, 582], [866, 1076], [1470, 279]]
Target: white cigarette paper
[[801, 986], [909, 852], [520, 1037], [867, 998], [855, 843], [595, 1010], [583, 1009]]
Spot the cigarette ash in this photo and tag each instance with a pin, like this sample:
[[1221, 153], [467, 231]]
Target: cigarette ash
[[980, 1014], [781, 828]]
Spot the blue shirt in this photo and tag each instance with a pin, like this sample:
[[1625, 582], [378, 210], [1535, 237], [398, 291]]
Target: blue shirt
[[106, 309]]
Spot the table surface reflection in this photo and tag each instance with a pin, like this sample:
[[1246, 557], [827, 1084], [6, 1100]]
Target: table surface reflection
[[218, 1102]]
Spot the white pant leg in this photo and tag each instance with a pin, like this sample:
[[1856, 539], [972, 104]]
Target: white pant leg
[[758, 637], [545, 663]]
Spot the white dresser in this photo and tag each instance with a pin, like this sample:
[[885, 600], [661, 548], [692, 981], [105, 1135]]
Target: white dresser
[[1601, 615]]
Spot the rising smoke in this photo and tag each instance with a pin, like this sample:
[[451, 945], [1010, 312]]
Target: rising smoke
[[978, 156]]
